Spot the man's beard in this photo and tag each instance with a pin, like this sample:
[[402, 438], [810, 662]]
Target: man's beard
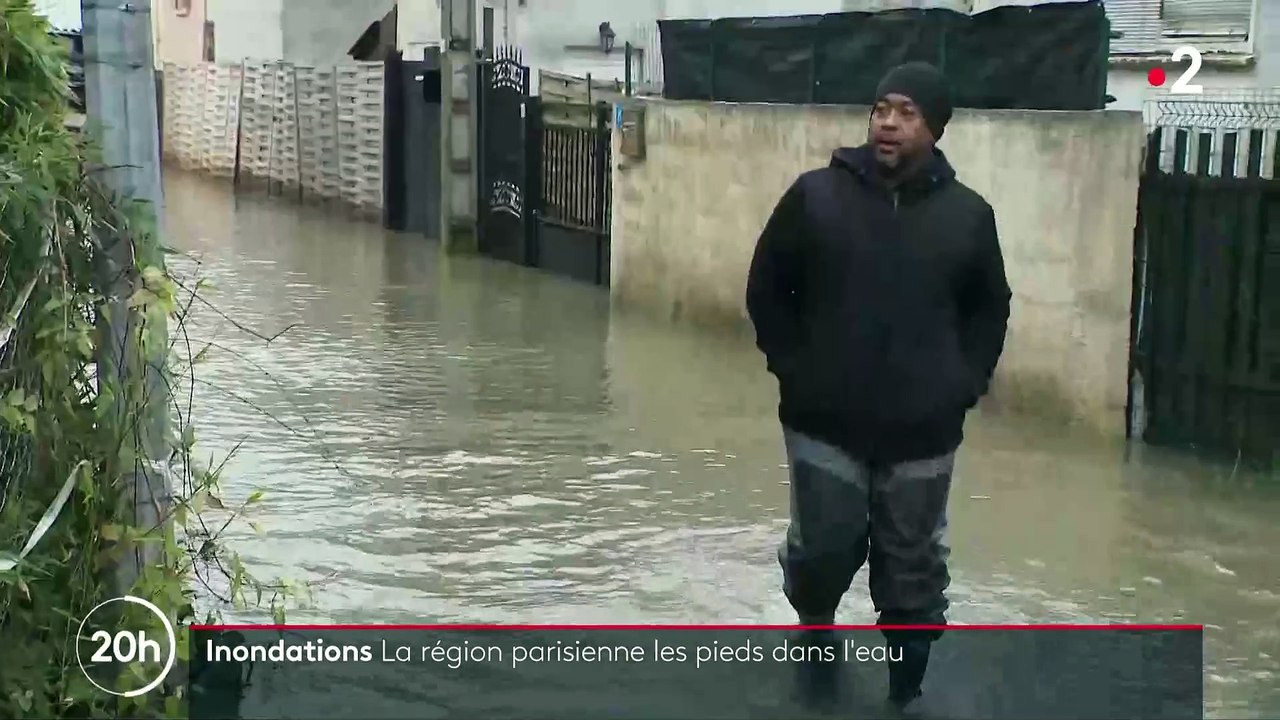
[[906, 164], [893, 170]]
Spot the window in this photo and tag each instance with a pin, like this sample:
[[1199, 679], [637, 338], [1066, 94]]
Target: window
[[209, 54], [1224, 18], [1154, 27], [182, 8]]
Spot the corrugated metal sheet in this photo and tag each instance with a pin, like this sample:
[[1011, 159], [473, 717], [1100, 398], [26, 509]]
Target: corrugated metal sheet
[[1139, 20], [1208, 15], [1148, 28]]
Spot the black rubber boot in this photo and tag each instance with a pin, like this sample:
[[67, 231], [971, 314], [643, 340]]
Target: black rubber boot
[[907, 676], [817, 676]]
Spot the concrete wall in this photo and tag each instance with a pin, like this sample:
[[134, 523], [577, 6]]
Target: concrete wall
[[1064, 186], [304, 32], [178, 38], [418, 27], [319, 32], [561, 35], [247, 30]]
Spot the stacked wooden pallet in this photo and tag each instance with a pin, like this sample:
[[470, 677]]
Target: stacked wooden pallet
[[360, 119], [313, 132], [183, 109], [217, 139], [256, 122], [283, 165], [317, 95]]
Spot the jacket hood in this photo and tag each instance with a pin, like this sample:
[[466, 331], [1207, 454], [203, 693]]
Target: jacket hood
[[861, 161]]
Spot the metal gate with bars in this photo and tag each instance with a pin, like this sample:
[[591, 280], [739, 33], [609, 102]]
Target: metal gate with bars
[[545, 186], [1206, 322], [502, 173], [572, 184]]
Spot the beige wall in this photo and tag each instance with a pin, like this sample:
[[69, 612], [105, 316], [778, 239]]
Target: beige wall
[[248, 30], [178, 38], [1063, 184]]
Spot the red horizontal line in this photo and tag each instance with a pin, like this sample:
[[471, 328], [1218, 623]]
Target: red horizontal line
[[480, 627]]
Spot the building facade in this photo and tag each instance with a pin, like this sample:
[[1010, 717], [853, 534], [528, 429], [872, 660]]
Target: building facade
[[1238, 41], [306, 32], [181, 33], [564, 36]]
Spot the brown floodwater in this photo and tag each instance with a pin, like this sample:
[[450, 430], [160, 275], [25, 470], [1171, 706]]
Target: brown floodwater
[[445, 439]]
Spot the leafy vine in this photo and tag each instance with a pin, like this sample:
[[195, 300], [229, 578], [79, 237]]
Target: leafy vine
[[88, 373]]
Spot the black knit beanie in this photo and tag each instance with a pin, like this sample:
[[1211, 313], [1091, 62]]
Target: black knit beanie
[[928, 89]]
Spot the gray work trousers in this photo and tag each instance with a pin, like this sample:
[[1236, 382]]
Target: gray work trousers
[[844, 512]]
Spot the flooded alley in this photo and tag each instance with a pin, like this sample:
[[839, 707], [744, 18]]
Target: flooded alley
[[446, 439]]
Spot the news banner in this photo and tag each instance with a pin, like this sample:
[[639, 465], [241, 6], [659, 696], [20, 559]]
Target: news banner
[[454, 655], [638, 672]]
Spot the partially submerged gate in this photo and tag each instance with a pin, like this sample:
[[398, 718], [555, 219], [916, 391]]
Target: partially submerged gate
[[571, 189], [502, 221], [1206, 322], [544, 187]]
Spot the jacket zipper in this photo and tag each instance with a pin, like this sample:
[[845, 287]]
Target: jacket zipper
[[875, 443]]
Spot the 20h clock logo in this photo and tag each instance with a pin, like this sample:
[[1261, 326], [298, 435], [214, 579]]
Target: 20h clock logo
[[134, 651]]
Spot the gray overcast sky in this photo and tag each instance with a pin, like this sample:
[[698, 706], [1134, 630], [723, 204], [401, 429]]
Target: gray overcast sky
[[62, 14]]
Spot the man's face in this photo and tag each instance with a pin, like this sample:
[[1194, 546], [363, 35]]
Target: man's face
[[898, 131]]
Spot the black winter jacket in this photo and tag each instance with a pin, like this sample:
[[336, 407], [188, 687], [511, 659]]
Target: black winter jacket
[[881, 311]]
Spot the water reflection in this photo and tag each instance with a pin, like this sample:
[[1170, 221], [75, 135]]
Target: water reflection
[[449, 438]]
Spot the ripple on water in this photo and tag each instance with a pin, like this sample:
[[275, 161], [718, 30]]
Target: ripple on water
[[499, 432]]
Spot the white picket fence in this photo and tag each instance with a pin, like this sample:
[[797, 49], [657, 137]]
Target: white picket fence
[[311, 131]]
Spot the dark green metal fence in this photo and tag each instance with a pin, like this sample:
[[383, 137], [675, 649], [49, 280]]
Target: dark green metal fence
[[1207, 294], [1043, 57]]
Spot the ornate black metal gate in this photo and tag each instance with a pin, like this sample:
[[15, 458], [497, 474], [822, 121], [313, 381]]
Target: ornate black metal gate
[[502, 226]]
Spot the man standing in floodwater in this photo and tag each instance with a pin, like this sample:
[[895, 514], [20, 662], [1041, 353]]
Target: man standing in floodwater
[[879, 299]]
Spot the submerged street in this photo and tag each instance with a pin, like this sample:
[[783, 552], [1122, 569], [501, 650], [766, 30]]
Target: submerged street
[[449, 439]]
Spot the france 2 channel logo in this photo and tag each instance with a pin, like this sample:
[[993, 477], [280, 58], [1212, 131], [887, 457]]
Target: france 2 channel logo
[[1156, 77], [133, 660]]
